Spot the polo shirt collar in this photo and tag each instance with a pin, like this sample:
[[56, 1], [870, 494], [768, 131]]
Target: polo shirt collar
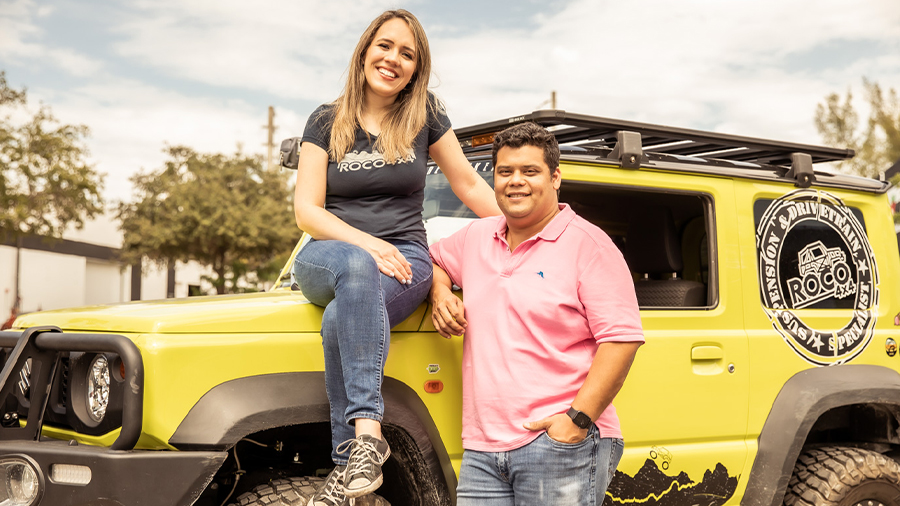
[[551, 231]]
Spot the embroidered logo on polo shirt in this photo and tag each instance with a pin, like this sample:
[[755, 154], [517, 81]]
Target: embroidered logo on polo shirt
[[541, 274]]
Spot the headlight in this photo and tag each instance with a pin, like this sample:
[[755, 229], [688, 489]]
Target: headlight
[[97, 389], [19, 485]]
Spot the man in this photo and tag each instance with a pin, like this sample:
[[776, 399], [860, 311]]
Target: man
[[551, 328]]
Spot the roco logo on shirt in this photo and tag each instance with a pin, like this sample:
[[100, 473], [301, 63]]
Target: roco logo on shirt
[[355, 160]]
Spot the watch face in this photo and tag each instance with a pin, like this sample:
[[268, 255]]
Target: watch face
[[581, 420]]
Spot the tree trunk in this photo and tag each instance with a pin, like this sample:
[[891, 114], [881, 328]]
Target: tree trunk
[[219, 269], [17, 299]]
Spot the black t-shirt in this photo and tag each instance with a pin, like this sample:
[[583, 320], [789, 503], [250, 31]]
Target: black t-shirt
[[380, 198]]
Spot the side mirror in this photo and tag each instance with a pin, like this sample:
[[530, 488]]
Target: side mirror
[[290, 153]]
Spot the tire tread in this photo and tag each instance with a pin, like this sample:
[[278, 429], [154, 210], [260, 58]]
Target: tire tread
[[280, 492], [824, 476], [293, 492]]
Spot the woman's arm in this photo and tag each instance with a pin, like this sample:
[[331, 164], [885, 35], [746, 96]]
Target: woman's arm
[[312, 218], [471, 188]]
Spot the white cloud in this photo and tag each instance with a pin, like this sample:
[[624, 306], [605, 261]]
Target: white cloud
[[132, 122], [21, 41], [287, 48], [692, 63]]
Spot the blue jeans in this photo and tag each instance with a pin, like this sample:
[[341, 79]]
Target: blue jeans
[[540, 473], [361, 304]]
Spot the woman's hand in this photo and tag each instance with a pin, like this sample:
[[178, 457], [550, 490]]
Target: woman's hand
[[389, 259]]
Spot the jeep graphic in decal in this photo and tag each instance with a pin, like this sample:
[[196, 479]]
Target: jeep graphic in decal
[[652, 487], [825, 274], [813, 253]]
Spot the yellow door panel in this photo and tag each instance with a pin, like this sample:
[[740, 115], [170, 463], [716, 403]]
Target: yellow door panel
[[813, 290], [684, 406]]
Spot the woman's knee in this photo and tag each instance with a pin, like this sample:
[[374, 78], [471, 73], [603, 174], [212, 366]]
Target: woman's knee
[[322, 266], [356, 265]]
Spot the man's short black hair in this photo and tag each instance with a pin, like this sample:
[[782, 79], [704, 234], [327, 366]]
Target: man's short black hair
[[528, 134]]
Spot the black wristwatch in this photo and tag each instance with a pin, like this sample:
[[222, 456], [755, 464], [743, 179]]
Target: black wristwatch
[[581, 420]]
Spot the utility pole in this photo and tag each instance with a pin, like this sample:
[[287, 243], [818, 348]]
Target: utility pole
[[270, 145], [552, 101]]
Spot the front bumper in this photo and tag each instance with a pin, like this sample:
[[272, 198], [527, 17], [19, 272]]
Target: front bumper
[[119, 478], [119, 475], [42, 347]]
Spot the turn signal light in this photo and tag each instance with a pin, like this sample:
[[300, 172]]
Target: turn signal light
[[434, 386], [481, 140], [70, 474]]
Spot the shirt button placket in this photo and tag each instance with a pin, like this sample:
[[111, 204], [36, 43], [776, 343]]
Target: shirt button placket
[[509, 262]]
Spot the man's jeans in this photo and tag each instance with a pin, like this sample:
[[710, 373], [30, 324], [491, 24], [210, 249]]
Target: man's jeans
[[361, 304], [540, 473]]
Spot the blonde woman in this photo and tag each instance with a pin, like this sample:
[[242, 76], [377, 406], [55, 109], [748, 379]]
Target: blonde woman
[[360, 187]]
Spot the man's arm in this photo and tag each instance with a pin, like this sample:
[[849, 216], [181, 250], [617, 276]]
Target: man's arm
[[447, 311], [604, 380]]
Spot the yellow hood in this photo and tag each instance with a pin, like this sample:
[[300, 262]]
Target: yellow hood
[[264, 312]]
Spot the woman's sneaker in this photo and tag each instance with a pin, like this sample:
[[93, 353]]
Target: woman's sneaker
[[363, 475], [331, 493]]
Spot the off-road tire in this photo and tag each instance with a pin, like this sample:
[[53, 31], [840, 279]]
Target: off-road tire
[[841, 476], [293, 492]]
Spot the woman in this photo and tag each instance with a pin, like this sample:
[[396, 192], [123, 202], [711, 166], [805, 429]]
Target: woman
[[360, 186]]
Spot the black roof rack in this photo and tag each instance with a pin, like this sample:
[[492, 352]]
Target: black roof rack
[[596, 132]]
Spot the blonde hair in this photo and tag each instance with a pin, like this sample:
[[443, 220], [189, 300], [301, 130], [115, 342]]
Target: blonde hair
[[407, 115]]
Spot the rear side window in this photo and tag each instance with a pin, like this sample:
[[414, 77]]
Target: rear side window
[[811, 253]]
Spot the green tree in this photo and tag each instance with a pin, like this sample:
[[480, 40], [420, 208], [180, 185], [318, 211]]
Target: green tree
[[225, 212], [877, 144], [46, 183]]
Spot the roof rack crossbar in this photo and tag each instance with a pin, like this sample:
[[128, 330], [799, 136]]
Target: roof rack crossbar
[[692, 149]]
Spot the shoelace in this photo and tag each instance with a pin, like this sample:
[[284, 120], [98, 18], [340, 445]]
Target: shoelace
[[361, 450], [331, 492]]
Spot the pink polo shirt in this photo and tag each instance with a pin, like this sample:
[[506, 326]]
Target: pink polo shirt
[[536, 316]]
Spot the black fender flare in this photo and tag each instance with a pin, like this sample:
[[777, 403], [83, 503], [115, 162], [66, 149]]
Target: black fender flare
[[801, 401], [243, 406]]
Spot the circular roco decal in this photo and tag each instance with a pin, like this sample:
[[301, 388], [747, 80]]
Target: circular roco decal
[[814, 254]]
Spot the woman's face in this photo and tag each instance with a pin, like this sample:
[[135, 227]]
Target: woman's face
[[390, 61]]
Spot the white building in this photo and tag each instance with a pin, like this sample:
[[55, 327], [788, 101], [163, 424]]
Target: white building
[[83, 269]]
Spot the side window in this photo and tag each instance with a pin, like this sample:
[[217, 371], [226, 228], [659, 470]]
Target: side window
[[665, 238]]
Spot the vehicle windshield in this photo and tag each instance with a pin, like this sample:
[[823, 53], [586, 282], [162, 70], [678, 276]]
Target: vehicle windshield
[[442, 212]]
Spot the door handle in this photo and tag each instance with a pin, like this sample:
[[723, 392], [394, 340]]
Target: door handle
[[707, 353]]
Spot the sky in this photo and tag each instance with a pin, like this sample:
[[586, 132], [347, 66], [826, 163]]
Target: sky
[[146, 74]]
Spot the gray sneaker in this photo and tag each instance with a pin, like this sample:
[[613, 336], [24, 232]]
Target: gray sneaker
[[331, 493], [363, 475]]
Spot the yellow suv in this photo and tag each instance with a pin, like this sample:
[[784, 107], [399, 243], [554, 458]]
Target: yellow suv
[[769, 295]]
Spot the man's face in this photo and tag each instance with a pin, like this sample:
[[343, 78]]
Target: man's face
[[524, 186]]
